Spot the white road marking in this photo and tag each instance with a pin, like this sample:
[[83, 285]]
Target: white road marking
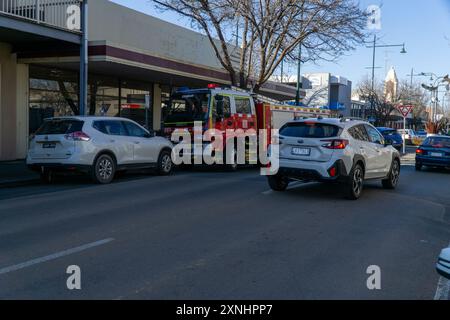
[[443, 289], [54, 256]]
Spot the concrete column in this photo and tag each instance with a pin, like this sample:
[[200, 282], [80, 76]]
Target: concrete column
[[22, 110], [157, 105], [8, 103]]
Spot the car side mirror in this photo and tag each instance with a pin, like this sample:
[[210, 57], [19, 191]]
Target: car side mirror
[[150, 134], [443, 264]]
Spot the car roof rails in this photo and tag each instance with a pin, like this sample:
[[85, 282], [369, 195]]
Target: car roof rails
[[347, 119]]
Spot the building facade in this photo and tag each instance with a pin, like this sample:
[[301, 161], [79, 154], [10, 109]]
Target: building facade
[[135, 62], [325, 90]]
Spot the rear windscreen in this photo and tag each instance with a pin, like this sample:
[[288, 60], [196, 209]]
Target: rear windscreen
[[389, 132], [437, 142], [310, 130], [60, 127]]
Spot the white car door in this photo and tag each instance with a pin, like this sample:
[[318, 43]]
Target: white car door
[[146, 147], [364, 148], [382, 159], [115, 139]]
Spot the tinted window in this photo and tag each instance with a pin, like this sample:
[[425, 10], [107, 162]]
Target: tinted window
[[437, 142], [134, 130], [226, 106], [359, 133], [310, 130], [243, 105], [389, 132], [374, 135], [110, 127], [60, 127]]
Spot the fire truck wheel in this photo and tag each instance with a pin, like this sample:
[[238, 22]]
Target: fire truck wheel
[[278, 183]]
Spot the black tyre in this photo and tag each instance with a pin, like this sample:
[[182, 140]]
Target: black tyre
[[392, 180], [104, 169], [47, 176], [355, 185], [278, 183], [418, 167], [165, 164]]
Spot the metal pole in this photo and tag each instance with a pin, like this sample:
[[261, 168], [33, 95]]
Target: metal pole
[[373, 72], [299, 76], [84, 59], [404, 136]]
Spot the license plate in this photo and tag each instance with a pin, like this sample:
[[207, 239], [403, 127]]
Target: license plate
[[49, 145], [436, 154], [301, 151]]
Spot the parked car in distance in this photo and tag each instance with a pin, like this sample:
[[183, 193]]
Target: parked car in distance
[[393, 137], [408, 135], [333, 150], [434, 152], [99, 146]]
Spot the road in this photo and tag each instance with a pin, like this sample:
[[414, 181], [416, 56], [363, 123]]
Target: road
[[207, 234]]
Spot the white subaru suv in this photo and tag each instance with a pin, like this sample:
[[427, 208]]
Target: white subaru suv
[[335, 150], [99, 146]]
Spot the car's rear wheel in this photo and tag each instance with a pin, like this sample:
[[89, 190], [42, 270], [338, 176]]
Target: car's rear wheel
[[355, 185], [394, 176], [165, 164], [418, 167], [104, 169], [278, 182]]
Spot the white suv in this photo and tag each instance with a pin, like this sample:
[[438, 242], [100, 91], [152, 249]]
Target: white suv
[[335, 150], [100, 146]]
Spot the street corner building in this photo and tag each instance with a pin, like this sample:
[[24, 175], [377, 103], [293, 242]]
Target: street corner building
[[135, 62]]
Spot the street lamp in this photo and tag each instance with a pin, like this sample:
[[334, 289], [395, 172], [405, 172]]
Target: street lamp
[[374, 46], [434, 89]]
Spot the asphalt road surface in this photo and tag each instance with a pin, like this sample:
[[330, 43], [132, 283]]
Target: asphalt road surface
[[207, 234]]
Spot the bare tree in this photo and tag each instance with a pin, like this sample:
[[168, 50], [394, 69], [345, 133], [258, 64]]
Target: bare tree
[[272, 31], [384, 110]]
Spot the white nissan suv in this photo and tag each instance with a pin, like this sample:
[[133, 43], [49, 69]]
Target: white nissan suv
[[335, 150], [99, 146]]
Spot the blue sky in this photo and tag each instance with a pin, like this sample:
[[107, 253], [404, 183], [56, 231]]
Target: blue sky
[[424, 26]]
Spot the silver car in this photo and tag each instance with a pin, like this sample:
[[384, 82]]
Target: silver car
[[99, 146]]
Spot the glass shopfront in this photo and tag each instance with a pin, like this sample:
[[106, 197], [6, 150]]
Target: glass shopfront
[[54, 93]]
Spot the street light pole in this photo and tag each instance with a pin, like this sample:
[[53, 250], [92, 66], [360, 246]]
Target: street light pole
[[83, 97], [374, 47], [299, 76]]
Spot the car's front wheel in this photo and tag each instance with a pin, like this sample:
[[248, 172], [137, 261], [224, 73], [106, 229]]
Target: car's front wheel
[[104, 169], [394, 176], [278, 182], [355, 185], [165, 164]]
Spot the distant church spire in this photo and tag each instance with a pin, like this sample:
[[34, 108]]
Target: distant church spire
[[391, 86]]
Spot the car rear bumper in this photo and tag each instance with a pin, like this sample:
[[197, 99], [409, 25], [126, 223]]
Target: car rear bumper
[[429, 161], [38, 167], [316, 174]]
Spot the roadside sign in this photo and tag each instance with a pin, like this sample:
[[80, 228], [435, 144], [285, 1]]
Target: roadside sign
[[405, 110]]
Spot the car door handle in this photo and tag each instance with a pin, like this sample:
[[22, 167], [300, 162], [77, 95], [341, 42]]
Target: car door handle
[[137, 142], [112, 141]]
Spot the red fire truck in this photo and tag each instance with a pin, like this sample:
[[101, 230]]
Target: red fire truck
[[223, 109]]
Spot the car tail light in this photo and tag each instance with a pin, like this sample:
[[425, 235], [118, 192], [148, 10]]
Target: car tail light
[[419, 151], [77, 136], [335, 144]]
